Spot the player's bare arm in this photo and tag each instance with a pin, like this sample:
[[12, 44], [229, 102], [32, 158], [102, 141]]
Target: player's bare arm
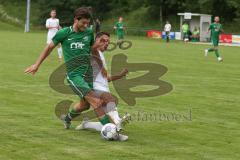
[[33, 68], [123, 73]]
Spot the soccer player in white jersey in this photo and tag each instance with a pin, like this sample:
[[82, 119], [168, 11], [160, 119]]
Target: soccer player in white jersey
[[167, 29], [100, 86], [52, 24]]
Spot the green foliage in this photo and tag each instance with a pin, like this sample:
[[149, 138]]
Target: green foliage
[[15, 12], [136, 12]]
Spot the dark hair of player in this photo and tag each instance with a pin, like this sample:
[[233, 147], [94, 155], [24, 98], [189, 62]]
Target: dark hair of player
[[82, 12], [98, 35]]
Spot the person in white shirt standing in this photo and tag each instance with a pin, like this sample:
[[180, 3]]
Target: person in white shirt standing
[[52, 24], [167, 29]]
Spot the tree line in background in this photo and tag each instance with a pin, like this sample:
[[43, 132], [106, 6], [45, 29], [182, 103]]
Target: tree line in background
[[228, 10], [138, 12]]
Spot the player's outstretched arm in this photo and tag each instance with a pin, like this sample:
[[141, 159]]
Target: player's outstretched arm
[[33, 68], [123, 73]]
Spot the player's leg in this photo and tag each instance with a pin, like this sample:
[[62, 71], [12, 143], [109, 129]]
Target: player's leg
[[74, 112], [97, 104], [167, 37], [59, 50], [185, 37], [86, 124], [93, 99], [84, 105], [210, 49], [110, 109], [97, 126], [83, 89], [219, 58], [49, 38], [120, 36]]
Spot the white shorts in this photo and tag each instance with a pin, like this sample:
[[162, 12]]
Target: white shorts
[[100, 87], [50, 35]]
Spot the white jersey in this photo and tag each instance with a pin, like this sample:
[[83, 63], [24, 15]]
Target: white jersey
[[167, 27], [51, 32], [99, 81]]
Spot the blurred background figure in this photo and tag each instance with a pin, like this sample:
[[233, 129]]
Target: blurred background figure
[[185, 31], [119, 27], [52, 24], [97, 26], [167, 29], [195, 34]]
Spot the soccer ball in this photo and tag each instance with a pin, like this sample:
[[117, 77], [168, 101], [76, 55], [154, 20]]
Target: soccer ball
[[109, 132]]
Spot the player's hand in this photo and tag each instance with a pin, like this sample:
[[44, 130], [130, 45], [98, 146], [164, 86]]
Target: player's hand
[[124, 72], [31, 70]]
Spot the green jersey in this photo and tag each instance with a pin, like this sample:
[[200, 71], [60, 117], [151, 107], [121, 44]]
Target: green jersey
[[196, 32], [119, 26], [215, 30], [185, 28], [76, 49]]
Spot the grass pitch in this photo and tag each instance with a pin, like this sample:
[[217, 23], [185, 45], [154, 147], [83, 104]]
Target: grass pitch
[[203, 88]]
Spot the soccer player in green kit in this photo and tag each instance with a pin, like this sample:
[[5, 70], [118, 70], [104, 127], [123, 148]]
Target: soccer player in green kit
[[76, 42], [119, 27], [216, 29]]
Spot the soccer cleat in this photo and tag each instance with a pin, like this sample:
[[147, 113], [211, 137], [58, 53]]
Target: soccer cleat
[[125, 119], [82, 125], [122, 137], [206, 52], [220, 59], [67, 124]]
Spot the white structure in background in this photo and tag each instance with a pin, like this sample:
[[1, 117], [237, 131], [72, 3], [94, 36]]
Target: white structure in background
[[27, 24], [202, 21]]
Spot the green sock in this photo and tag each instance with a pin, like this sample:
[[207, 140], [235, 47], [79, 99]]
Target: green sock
[[211, 50], [72, 113], [104, 120], [216, 53]]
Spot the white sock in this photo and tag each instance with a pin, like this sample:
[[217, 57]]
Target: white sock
[[59, 52], [111, 111], [93, 125], [114, 116]]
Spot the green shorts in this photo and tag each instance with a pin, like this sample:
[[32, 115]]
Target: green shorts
[[120, 35], [215, 42], [81, 84]]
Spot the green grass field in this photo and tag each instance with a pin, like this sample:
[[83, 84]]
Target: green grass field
[[30, 129]]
